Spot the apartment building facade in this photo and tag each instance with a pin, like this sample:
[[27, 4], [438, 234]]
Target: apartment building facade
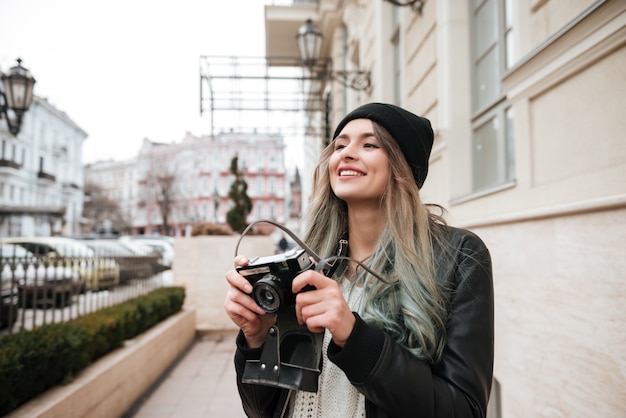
[[188, 181], [526, 99], [41, 175], [116, 181]]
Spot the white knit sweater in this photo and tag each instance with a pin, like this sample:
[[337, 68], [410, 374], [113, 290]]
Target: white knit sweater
[[335, 397]]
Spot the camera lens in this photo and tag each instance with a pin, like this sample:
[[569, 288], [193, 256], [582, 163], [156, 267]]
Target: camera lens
[[268, 293]]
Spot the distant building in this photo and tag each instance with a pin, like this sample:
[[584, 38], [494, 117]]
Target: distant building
[[188, 182], [117, 181], [41, 175]]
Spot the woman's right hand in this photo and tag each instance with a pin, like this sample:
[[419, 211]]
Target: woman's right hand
[[243, 310]]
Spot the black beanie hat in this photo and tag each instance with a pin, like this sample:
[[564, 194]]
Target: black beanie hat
[[413, 133]]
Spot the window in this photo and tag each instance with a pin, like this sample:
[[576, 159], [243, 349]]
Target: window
[[492, 154], [493, 163], [272, 186], [272, 210]]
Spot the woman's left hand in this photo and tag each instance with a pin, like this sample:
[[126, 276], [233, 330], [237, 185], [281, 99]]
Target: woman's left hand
[[323, 307]]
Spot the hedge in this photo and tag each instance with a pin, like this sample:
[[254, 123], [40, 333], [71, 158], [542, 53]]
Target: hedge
[[32, 362]]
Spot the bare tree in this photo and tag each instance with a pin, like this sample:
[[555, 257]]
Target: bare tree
[[161, 186], [101, 209], [165, 196]]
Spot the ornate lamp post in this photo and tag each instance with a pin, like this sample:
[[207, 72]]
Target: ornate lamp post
[[16, 95], [309, 40]]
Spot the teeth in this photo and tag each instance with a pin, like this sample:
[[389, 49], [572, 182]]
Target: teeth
[[350, 173]]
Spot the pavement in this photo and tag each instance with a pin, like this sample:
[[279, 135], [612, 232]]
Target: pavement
[[200, 384]]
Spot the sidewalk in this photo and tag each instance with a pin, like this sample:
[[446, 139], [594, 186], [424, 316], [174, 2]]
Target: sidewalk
[[200, 385]]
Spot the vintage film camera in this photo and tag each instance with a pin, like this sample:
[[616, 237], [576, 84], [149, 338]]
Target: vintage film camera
[[291, 356], [271, 278]]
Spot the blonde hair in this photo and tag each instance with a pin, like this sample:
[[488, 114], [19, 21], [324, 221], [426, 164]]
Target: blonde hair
[[413, 307]]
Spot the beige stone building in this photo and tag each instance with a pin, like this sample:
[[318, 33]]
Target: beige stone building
[[527, 99]]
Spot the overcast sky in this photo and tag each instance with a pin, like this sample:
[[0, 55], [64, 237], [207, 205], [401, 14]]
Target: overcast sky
[[125, 70]]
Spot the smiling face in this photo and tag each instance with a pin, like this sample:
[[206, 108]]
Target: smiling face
[[359, 165]]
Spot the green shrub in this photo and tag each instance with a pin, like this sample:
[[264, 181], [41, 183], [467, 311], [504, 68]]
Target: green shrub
[[33, 361]]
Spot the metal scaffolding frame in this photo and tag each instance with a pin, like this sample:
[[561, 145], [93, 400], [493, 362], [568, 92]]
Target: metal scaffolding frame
[[264, 94]]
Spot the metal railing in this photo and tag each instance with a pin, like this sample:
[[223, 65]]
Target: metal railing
[[38, 291]]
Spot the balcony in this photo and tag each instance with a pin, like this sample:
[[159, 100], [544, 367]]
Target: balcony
[[10, 164], [45, 176], [68, 185]]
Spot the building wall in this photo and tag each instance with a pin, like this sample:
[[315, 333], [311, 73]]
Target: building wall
[[203, 277], [559, 292], [41, 178], [555, 231]]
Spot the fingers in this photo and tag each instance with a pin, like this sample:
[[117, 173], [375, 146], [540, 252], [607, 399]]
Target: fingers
[[324, 307], [306, 299], [243, 310], [311, 278], [239, 315], [237, 281], [239, 303], [241, 260]]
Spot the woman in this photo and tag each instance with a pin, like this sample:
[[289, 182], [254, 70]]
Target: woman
[[419, 343]]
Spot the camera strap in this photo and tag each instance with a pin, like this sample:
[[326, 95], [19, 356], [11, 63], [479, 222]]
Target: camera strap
[[331, 262], [342, 248]]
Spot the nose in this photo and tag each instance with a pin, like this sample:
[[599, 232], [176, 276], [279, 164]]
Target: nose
[[348, 152]]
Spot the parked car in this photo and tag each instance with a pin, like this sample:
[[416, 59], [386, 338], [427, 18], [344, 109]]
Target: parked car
[[96, 273], [144, 251], [160, 246], [8, 295], [35, 282], [132, 266]]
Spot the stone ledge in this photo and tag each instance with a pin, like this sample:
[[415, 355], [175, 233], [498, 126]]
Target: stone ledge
[[111, 385]]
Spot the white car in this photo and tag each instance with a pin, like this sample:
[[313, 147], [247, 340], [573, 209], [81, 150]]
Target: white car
[[96, 273], [160, 246], [34, 282]]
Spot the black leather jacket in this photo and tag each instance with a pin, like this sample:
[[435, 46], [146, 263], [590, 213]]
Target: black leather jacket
[[396, 383]]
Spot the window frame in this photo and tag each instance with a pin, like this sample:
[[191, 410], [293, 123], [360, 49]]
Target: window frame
[[493, 108]]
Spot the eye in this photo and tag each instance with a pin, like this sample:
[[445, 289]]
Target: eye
[[339, 146], [371, 145]]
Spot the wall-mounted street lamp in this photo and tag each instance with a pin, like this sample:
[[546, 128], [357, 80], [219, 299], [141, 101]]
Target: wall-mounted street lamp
[[16, 95], [310, 46], [416, 5]]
